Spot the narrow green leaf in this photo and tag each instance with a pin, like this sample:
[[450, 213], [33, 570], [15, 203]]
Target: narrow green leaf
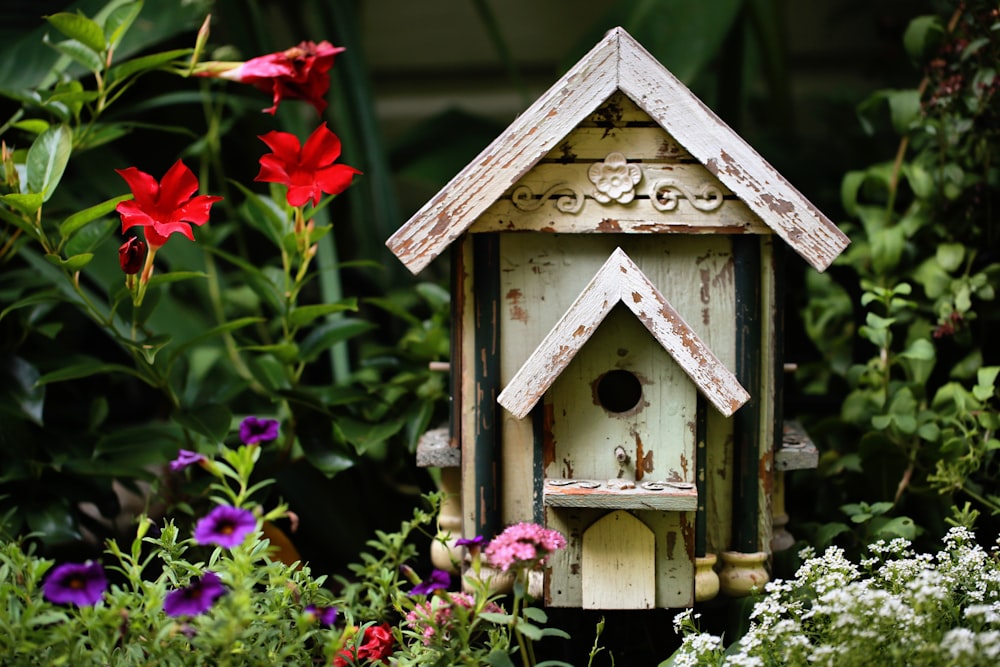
[[47, 159], [80, 53], [146, 63], [303, 315], [73, 263], [330, 333], [119, 21], [535, 614], [85, 368], [80, 28], [174, 277]]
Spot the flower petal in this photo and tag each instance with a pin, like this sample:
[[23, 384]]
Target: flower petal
[[284, 145], [144, 187], [177, 186], [336, 178], [322, 148]]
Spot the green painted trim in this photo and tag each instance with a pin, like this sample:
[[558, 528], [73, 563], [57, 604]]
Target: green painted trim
[[700, 472], [746, 421], [538, 462], [778, 258], [486, 373]]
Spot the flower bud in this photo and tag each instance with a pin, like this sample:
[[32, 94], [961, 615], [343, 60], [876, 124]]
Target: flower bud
[[131, 255]]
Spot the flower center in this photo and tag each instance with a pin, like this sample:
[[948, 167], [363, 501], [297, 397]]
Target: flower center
[[76, 583]]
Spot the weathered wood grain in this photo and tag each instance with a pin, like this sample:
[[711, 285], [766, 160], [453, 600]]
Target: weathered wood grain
[[619, 564], [672, 500], [616, 63], [621, 281]]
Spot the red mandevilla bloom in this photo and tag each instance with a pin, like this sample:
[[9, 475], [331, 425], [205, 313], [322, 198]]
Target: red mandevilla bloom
[[301, 72], [131, 255], [166, 207], [308, 170]]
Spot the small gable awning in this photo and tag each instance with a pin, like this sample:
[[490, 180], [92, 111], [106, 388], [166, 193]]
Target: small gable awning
[[617, 62], [620, 280]]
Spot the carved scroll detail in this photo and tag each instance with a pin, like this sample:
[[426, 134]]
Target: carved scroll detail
[[666, 194], [567, 198], [615, 179]]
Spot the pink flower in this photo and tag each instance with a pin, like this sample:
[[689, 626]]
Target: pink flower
[[299, 73], [435, 617], [523, 545]]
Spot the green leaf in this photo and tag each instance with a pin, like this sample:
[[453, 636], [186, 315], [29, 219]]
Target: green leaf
[[173, 277], [305, 314], [922, 35], [321, 450], [497, 618], [364, 435], [80, 28], [119, 21], [950, 256], [28, 204], [71, 264], [535, 614], [532, 632], [85, 368], [212, 420], [286, 352], [904, 108], [498, 658], [330, 333], [47, 159], [73, 223], [902, 526], [21, 383], [146, 64], [80, 53]]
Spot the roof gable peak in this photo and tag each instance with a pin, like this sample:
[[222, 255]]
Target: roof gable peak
[[617, 62], [620, 280]]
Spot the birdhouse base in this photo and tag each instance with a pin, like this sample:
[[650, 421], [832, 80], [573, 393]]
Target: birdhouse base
[[619, 494]]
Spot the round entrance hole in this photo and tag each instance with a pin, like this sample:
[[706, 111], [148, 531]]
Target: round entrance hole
[[619, 391]]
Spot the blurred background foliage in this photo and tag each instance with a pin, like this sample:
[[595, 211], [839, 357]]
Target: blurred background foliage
[[887, 125]]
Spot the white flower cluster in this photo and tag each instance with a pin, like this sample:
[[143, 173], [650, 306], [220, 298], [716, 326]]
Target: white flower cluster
[[897, 607]]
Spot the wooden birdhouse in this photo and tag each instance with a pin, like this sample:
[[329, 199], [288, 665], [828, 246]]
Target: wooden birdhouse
[[616, 291]]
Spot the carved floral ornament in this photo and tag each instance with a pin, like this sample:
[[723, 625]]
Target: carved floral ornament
[[615, 181]]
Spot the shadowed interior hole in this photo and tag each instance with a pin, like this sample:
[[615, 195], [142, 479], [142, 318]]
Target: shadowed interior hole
[[619, 391]]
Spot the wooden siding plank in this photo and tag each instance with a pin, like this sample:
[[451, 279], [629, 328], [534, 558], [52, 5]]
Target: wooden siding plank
[[669, 499], [621, 280]]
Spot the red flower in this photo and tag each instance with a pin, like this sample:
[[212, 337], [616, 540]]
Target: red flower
[[377, 646], [131, 255], [299, 73], [308, 170], [164, 208]]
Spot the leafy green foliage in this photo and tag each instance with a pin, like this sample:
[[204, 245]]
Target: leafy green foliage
[[920, 411]]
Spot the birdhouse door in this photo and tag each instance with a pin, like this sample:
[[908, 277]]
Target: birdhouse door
[[619, 477]]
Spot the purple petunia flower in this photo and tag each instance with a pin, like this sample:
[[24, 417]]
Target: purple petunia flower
[[185, 458], [196, 597], [439, 579], [225, 526], [254, 430], [82, 584], [326, 616], [473, 542]]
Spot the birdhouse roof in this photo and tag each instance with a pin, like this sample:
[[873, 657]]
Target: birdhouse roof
[[617, 62], [620, 280]]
